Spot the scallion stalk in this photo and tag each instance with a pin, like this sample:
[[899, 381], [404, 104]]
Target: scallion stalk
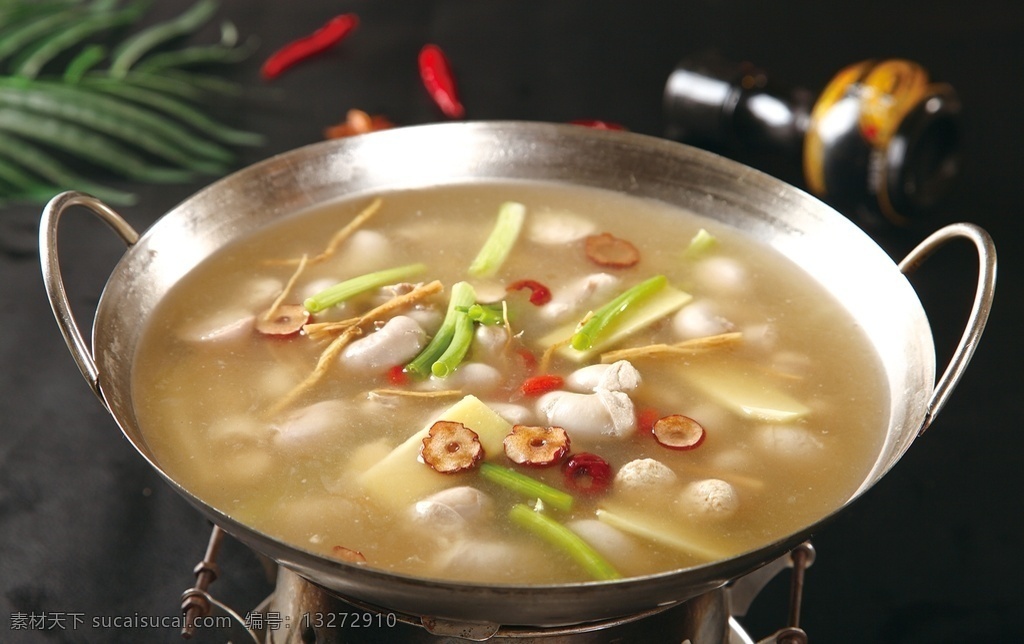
[[499, 244], [527, 486], [590, 332], [487, 314], [565, 540], [351, 287], [463, 296], [462, 337], [701, 243]]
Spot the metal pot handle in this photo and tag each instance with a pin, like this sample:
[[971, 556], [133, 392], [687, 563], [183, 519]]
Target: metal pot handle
[[979, 309], [54, 282]]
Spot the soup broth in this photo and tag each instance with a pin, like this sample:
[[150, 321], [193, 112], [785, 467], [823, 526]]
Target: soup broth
[[729, 402]]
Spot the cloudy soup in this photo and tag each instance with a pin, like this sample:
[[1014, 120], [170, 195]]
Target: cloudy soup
[[510, 383]]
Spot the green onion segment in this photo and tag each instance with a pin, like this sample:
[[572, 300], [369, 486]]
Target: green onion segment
[[565, 540], [590, 332], [350, 288], [499, 244], [463, 296], [527, 486]]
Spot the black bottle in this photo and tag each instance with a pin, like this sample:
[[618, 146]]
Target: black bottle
[[880, 142]]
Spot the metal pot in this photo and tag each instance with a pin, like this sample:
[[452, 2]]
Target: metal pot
[[852, 267]]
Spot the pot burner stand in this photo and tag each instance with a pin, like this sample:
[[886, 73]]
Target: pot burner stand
[[300, 612]]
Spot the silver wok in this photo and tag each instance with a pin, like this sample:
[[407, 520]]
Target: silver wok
[[839, 255]]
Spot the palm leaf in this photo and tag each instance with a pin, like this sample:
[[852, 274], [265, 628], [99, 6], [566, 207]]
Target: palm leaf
[[71, 113]]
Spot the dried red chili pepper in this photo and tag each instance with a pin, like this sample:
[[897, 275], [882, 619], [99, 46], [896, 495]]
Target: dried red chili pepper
[[437, 77], [539, 294], [302, 48]]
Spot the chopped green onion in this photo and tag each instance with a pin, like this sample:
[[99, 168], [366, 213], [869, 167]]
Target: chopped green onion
[[463, 296], [590, 331], [564, 539], [487, 314], [499, 244], [462, 337], [701, 243], [529, 487], [352, 287]]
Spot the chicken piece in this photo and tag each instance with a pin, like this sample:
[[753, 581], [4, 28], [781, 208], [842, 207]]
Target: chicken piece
[[603, 413], [569, 299], [365, 251], [237, 429], [617, 376], [558, 227], [618, 547], [470, 377], [644, 474], [235, 321], [720, 274], [788, 441], [310, 426], [397, 342], [227, 325], [450, 510], [488, 560], [512, 413], [709, 497], [700, 319], [490, 339]]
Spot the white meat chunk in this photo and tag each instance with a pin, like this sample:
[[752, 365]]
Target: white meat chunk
[[617, 376], [618, 547], [486, 560], [700, 319], [365, 251], [309, 426], [644, 473], [227, 325], [236, 429], [490, 338], [397, 342], [709, 497], [450, 510], [489, 291], [721, 274], [236, 320], [570, 298], [788, 441], [512, 413], [559, 227], [471, 377], [603, 413]]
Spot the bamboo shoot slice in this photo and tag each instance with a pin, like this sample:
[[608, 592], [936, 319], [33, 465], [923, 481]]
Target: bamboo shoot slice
[[660, 532], [400, 478], [659, 305], [746, 392]]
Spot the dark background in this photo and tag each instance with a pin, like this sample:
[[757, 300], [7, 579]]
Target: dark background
[[931, 554]]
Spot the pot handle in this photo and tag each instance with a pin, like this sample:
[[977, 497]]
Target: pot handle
[[54, 281], [980, 308]]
